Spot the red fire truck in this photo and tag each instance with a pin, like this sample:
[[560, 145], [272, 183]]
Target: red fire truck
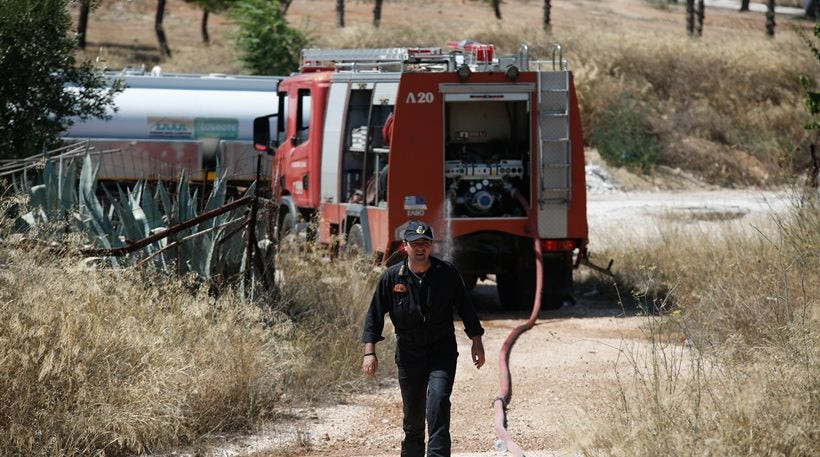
[[367, 139]]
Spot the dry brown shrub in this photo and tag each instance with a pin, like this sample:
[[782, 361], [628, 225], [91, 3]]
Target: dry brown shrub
[[327, 299], [126, 361], [95, 360], [743, 376]]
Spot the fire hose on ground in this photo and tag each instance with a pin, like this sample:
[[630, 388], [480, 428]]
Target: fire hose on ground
[[505, 393]]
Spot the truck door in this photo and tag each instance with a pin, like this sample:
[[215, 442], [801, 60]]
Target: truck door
[[365, 150], [297, 177]]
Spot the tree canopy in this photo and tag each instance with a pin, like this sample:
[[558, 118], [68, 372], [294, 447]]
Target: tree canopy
[[268, 44], [42, 86]]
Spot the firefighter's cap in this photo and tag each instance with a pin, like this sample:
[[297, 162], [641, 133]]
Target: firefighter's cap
[[417, 230]]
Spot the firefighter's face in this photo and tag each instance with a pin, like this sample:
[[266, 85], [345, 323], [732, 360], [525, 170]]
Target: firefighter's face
[[419, 250]]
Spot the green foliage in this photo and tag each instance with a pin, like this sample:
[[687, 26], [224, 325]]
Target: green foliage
[[812, 98], [623, 135], [659, 4], [37, 58], [268, 45], [64, 201]]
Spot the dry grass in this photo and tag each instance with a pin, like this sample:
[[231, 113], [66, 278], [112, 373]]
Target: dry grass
[[128, 361], [733, 365], [329, 297]]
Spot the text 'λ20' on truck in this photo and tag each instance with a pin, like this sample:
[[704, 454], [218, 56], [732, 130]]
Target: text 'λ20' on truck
[[487, 149]]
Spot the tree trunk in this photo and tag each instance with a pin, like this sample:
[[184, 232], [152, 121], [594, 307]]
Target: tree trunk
[[377, 13], [690, 17], [82, 25], [812, 9], [547, 15], [204, 28], [283, 6], [744, 5], [770, 18], [340, 14], [701, 12], [164, 50], [497, 9]]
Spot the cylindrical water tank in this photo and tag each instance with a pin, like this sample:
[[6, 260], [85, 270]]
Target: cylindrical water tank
[[183, 107]]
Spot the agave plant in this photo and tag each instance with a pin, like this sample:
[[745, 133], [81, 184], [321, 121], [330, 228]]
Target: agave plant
[[64, 201]]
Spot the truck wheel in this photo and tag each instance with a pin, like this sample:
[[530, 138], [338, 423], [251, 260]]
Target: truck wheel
[[287, 237], [354, 244], [513, 290], [516, 285], [470, 281], [557, 281]]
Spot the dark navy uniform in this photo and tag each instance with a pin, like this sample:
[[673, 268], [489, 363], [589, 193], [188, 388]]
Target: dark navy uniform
[[421, 308]]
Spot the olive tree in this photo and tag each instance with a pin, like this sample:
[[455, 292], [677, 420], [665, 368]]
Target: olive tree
[[268, 45], [42, 85]]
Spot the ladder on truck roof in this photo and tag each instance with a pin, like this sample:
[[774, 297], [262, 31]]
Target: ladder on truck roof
[[378, 59], [479, 57]]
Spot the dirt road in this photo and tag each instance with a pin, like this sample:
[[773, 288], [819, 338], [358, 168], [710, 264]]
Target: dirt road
[[562, 372]]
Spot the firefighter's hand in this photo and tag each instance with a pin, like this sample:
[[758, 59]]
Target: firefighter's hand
[[477, 351], [370, 365]]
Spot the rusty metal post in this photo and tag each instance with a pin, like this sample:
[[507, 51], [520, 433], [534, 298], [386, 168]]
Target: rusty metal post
[[252, 228]]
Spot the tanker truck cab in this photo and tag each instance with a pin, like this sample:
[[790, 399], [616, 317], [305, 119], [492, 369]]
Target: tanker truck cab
[[486, 149]]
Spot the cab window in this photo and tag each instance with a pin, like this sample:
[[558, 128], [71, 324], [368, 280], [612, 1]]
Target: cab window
[[282, 119], [303, 116]]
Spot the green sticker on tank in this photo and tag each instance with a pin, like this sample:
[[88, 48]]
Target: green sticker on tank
[[214, 127]]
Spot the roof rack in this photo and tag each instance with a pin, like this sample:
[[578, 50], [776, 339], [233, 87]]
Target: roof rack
[[371, 59], [479, 57]]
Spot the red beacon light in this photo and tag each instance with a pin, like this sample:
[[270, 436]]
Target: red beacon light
[[483, 52]]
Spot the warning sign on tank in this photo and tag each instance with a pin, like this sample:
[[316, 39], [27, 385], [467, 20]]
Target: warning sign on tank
[[211, 127], [170, 127]]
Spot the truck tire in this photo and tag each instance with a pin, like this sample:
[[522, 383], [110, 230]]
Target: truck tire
[[287, 236], [516, 288], [354, 244], [557, 283], [470, 282], [516, 284]]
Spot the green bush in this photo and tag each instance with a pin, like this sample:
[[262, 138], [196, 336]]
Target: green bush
[[623, 137], [37, 58], [268, 45]]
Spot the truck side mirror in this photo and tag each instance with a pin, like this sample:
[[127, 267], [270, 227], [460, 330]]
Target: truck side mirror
[[261, 133]]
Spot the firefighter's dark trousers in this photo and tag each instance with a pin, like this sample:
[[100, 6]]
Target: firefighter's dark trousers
[[425, 390]]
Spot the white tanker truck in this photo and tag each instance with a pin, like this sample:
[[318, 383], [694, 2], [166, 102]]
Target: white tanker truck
[[169, 123]]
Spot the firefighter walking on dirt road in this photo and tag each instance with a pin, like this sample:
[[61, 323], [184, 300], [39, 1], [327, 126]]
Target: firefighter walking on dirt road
[[420, 295]]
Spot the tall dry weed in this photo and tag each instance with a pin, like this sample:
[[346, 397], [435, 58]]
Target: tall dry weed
[[96, 360], [732, 362], [327, 299], [125, 361]]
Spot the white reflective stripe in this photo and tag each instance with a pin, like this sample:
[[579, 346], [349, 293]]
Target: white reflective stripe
[[331, 144], [451, 88]]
